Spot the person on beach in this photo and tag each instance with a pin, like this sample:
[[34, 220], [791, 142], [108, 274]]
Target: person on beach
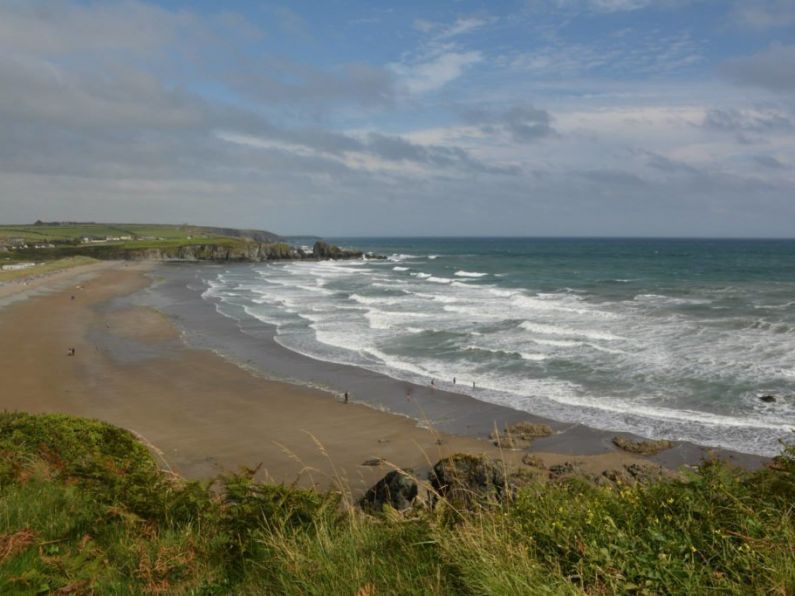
[[346, 398], [473, 384], [453, 380]]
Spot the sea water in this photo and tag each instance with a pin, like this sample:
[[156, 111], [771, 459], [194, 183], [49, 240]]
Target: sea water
[[670, 339]]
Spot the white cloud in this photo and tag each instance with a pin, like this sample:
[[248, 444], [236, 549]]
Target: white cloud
[[612, 56], [433, 74], [462, 26]]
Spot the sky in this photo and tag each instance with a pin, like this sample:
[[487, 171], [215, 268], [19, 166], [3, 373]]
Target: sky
[[375, 118]]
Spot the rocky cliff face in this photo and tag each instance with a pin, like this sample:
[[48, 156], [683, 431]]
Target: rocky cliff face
[[252, 252]]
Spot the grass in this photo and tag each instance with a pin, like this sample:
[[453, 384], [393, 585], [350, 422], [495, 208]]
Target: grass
[[84, 507], [121, 250], [48, 267], [74, 232]]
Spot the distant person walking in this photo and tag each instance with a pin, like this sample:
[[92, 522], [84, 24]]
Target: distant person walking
[[346, 397], [473, 384], [453, 380]]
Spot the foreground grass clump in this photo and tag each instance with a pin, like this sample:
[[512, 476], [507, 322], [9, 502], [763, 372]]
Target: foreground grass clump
[[84, 507]]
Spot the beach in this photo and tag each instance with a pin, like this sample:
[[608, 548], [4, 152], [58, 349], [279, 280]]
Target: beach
[[151, 356]]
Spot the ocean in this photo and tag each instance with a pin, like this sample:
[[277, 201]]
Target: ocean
[[672, 339]]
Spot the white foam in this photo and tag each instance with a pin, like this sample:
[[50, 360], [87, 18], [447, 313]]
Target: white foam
[[463, 273], [503, 293], [437, 297], [373, 299], [624, 337], [659, 299], [533, 357], [546, 329]]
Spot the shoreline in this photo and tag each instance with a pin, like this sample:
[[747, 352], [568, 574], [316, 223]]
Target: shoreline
[[251, 343], [143, 362], [201, 414]]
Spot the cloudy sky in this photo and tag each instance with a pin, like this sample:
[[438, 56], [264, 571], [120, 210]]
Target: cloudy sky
[[336, 117]]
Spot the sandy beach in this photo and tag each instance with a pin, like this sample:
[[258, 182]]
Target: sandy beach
[[205, 414]]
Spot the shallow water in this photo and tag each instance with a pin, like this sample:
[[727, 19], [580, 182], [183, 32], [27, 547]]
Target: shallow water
[[666, 338]]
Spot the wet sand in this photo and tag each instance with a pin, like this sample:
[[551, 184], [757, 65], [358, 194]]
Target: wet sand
[[202, 412]]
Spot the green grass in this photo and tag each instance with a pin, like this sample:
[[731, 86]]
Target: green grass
[[119, 250], [75, 232], [84, 506], [49, 267]]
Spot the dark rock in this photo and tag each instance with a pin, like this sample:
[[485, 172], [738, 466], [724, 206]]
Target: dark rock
[[527, 431], [467, 479], [612, 476], [768, 399], [324, 250], [563, 469], [520, 435], [644, 472], [533, 461], [642, 447], [397, 489]]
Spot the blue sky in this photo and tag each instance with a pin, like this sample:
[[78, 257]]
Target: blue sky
[[526, 117]]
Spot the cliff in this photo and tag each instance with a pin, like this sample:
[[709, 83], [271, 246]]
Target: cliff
[[246, 251]]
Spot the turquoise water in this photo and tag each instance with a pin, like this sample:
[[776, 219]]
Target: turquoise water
[[667, 338]]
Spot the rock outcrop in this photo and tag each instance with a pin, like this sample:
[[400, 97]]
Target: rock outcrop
[[641, 447], [467, 479], [324, 250], [397, 489], [520, 435]]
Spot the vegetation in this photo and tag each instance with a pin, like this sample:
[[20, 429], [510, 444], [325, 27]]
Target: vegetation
[[49, 267], [49, 241], [74, 232], [68, 232], [85, 507]]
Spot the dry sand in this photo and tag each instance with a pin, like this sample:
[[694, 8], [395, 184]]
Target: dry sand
[[204, 414]]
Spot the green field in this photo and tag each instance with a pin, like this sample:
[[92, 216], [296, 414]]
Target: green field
[[84, 508], [75, 232], [114, 241]]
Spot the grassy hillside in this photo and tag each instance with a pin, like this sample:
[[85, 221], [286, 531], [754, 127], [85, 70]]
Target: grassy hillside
[[84, 507], [50, 241], [74, 232]]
